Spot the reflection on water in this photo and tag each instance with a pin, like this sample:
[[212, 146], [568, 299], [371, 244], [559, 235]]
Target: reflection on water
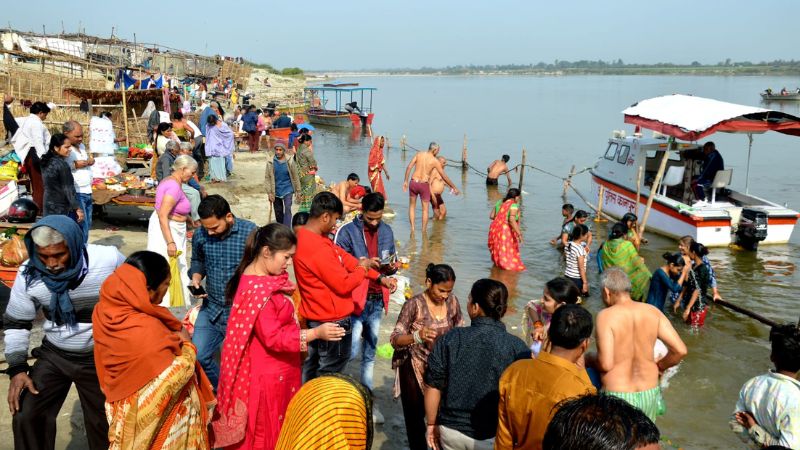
[[723, 355]]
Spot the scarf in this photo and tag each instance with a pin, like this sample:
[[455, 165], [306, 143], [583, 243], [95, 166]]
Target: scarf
[[59, 285], [233, 394], [134, 340], [219, 140], [151, 106]]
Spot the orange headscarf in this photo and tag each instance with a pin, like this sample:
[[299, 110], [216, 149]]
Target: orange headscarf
[[134, 340]]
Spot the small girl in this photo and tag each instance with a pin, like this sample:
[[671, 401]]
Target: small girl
[[576, 255], [696, 292], [558, 291], [663, 281]]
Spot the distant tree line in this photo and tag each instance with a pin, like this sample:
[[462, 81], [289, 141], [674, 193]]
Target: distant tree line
[[288, 71]]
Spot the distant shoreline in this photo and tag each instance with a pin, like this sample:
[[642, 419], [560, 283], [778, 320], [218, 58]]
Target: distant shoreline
[[650, 70]]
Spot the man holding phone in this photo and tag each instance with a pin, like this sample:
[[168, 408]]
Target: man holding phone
[[368, 237], [217, 248]]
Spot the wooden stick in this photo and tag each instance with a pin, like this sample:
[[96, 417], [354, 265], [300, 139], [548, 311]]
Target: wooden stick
[[588, 203], [125, 112], [599, 217], [656, 182], [464, 165], [136, 121], [638, 189], [522, 168], [567, 182], [746, 312]]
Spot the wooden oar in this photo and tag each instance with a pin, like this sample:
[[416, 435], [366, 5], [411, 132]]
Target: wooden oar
[[746, 312]]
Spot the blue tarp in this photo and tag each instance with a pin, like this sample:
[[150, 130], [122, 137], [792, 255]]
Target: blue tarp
[[130, 81]]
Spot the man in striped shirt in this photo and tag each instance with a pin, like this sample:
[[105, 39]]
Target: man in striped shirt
[[62, 278]]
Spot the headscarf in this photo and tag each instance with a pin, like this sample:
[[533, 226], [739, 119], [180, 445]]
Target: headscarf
[[233, 394], [151, 106], [331, 411], [134, 340], [59, 285], [219, 140]]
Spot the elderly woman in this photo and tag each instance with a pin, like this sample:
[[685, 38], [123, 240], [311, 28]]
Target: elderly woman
[[219, 146], [166, 233], [146, 362]]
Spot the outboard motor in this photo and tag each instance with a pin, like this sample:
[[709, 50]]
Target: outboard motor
[[752, 228]]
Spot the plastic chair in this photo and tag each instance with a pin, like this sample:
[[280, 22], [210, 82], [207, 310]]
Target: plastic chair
[[673, 177], [721, 180]]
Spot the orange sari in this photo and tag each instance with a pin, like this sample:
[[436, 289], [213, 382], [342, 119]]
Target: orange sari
[[376, 165], [503, 245]]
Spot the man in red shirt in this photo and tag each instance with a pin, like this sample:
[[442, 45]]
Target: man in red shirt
[[326, 277]]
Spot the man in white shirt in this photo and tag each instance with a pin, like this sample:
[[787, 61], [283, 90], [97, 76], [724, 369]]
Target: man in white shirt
[[80, 161], [33, 135], [102, 139]]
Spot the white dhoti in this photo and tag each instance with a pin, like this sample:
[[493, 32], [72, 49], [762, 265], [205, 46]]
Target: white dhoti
[[156, 243]]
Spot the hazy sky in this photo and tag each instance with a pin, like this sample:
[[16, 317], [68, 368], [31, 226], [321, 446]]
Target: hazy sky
[[411, 33]]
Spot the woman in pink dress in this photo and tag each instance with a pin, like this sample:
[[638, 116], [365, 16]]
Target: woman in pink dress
[[261, 357]]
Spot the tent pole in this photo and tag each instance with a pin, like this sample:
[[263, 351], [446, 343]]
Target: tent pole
[[654, 188], [747, 177]]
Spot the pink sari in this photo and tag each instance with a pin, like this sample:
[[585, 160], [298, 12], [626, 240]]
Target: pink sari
[[503, 245]]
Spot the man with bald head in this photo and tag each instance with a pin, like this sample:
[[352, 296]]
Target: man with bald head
[[80, 161]]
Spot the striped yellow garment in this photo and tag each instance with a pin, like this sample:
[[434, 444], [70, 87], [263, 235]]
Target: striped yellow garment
[[164, 414], [330, 412]]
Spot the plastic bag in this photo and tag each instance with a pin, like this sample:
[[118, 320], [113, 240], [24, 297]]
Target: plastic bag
[[9, 170], [13, 252], [190, 318], [398, 296], [175, 285]]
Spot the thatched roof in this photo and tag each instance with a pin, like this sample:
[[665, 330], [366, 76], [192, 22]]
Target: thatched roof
[[115, 96]]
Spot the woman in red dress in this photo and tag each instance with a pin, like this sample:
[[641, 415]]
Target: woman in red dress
[[505, 237], [261, 361], [377, 164]]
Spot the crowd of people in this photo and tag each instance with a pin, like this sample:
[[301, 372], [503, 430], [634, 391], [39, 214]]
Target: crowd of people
[[261, 365]]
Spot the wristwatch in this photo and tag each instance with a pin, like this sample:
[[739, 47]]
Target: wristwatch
[[380, 277]]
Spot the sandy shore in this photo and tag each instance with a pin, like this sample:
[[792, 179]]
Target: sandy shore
[[126, 229]]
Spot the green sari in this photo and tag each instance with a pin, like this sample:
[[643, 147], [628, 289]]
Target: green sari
[[621, 253], [306, 168]]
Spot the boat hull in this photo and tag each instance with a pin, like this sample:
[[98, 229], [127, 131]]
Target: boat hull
[[673, 221], [780, 98], [334, 119]]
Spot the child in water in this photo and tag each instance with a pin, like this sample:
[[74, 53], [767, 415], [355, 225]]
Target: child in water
[[577, 256], [558, 291], [676, 267], [696, 292]]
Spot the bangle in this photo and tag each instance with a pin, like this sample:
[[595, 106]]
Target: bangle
[[170, 243], [415, 335], [304, 340]]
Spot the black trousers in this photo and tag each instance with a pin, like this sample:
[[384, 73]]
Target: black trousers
[[413, 401], [53, 373], [199, 155]]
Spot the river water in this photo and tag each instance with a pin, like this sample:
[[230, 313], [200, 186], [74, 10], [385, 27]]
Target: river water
[[563, 121]]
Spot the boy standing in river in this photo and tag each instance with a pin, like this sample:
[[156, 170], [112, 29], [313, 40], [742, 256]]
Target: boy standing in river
[[423, 163]]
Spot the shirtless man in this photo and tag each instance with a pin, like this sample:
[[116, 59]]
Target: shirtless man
[[343, 188], [437, 188], [626, 336], [497, 168], [423, 163]]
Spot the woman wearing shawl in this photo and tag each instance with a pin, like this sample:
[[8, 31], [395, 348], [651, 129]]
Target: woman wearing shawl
[[331, 411], [219, 145], [60, 196], [261, 362], [157, 397], [505, 237], [620, 252], [307, 169], [377, 164]]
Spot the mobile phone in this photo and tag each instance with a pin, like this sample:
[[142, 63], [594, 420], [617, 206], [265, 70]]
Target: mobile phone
[[197, 291], [391, 259]]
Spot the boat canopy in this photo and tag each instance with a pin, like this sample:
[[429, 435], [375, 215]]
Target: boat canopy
[[692, 118]]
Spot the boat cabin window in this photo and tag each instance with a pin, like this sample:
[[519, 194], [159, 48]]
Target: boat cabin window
[[611, 152], [623, 154]]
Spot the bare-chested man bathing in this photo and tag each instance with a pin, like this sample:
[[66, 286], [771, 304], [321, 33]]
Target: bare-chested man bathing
[[423, 163], [437, 189], [497, 168]]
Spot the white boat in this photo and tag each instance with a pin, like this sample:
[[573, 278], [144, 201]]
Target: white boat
[[727, 216]]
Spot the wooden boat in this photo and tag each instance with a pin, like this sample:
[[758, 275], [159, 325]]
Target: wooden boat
[[790, 97], [340, 113], [279, 133], [729, 216]]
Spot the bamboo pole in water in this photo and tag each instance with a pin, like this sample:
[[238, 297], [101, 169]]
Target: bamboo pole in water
[[567, 182], [656, 182], [599, 217], [747, 313], [638, 189], [522, 168], [464, 164]]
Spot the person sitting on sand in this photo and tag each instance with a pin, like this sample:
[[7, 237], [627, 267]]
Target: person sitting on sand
[[626, 335], [423, 163], [437, 188], [496, 168], [342, 191]]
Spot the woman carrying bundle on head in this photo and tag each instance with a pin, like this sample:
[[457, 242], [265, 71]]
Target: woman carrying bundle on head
[[505, 237]]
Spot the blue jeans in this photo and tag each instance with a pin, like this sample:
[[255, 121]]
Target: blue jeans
[[208, 337], [325, 356], [86, 205], [229, 164], [368, 324]]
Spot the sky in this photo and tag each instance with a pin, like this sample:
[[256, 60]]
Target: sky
[[358, 35]]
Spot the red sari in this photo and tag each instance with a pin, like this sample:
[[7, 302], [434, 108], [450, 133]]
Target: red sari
[[260, 364], [376, 165], [503, 245]]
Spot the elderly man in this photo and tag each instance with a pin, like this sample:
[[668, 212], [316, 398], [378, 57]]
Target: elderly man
[[626, 337], [63, 278], [33, 135], [423, 164], [80, 163], [283, 182]]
